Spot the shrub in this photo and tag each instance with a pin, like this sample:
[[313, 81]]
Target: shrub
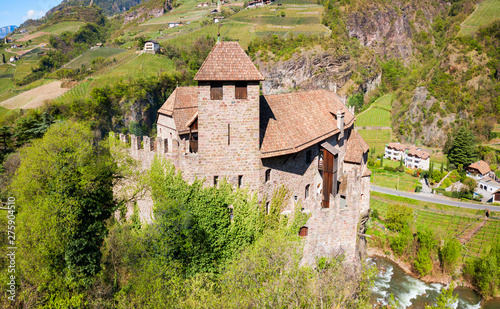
[[389, 169], [374, 214], [450, 253], [398, 217], [423, 263], [446, 183], [401, 241], [426, 238]]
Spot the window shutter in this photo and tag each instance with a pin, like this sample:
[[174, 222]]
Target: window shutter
[[216, 91], [241, 90]]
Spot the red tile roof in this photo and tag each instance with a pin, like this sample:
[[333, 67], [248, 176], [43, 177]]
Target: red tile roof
[[182, 105], [291, 122], [228, 62], [356, 147], [481, 166], [397, 146], [413, 151]]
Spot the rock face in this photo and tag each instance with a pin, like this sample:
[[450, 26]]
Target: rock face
[[389, 30], [418, 112], [141, 14], [384, 31]]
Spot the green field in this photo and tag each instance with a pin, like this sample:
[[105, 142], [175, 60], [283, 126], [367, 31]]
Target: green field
[[485, 13], [6, 75], [447, 221], [376, 139], [378, 115], [71, 26], [393, 180], [87, 57]]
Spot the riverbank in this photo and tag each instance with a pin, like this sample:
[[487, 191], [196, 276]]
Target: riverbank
[[435, 277]]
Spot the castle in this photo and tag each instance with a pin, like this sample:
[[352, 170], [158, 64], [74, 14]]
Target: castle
[[224, 129]]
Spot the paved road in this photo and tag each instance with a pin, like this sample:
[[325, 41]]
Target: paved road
[[427, 197]]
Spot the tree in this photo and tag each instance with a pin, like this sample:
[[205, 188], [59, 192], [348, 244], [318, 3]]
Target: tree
[[423, 262], [450, 253], [470, 183], [398, 216], [445, 300], [3, 58], [64, 187], [462, 150]]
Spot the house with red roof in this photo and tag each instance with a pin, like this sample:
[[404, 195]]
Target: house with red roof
[[223, 128], [412, 156]]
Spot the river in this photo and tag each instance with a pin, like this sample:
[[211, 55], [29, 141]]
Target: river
[[413, 293]]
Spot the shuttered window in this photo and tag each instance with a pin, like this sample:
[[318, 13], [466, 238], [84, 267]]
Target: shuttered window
[[241, 90], [329, 168], [215, 91]]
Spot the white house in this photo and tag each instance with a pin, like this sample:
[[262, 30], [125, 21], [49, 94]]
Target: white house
[[151, 46], [174, 24], [218, 19], [488, 184], [13, 59], [412, 156]]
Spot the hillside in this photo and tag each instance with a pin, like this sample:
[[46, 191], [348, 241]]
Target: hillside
[[109, 7]]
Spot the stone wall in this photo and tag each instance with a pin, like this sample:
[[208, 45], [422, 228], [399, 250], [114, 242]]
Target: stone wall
[[228, 135]]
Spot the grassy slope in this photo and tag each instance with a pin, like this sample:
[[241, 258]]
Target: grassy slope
[[378, 115], [485, 13], [87, 57], [300, 17], [71, 26]]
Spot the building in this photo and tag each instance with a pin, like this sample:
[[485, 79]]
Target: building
[[496, 196], [151, 46], [218, 19], [305, 141], [203, 4], [8, 40], [174, 24], [488, 184], [412, 156], [479, 169], [13, 59]]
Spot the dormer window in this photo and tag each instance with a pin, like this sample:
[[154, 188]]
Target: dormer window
[[216, 91], [240, 90]]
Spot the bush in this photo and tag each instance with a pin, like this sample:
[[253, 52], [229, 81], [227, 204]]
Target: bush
[[401, 241], [450, 253], [398, 217], [389, 169], [374, 214], [427, 239], [446, 183], [485, 271], [423, 263]]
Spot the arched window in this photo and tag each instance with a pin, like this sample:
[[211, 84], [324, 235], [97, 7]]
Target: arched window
[[268, 175], [307, 191], [267, 207], [303, 231]]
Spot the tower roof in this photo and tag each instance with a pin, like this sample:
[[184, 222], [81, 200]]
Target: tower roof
[[228, 61]]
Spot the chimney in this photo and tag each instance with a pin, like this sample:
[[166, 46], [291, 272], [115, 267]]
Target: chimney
[[340, 123]]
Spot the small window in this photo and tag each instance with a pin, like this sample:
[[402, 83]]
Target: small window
[[307, 191], [216, 181], [268, 175], [308, 157], [240, 181], [216, 91], [303, 231], [267, 208], [241, 90]]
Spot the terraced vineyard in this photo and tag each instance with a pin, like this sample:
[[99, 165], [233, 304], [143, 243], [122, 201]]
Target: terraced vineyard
[[377, 139], [473, 230], [485, 13], [87, 57]]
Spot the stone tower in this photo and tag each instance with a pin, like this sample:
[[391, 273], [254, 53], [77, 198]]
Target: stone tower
[[228, 117]]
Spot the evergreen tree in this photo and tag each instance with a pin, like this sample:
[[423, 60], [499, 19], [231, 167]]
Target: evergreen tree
[[3, 58], [462, 150]]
